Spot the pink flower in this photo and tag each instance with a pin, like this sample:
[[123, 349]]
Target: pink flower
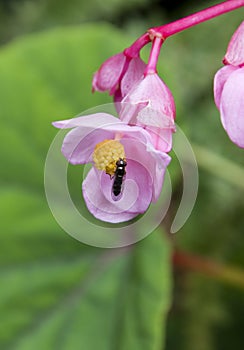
[[229, 89], [235, 50], [101, 139], [150, 104], [118, 74]]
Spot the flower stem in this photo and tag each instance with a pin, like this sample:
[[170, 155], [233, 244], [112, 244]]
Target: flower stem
[[169, 29], [152, 62], [134, 49], [198, 17], [226, 274]]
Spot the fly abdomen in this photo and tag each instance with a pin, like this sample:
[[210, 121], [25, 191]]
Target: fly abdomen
[[117, 185]]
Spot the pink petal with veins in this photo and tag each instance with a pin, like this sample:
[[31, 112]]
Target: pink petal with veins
[[151, 105], [235, 50], [219, 81], [108, 75], [133, 74], [136, 197], [232, 107]]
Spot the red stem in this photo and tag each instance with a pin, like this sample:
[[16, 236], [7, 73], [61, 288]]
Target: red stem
[[169, 29], [152, 62], [196, 18], [230, 275], [134, 49]]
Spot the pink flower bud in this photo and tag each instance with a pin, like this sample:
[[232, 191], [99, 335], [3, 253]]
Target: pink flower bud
[[151, 105], [118, 73], [229, 97], [229, 89], [108, 75], [235, 50]]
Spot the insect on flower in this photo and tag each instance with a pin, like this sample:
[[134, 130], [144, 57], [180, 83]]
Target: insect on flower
[[119, 177], [115, 150]]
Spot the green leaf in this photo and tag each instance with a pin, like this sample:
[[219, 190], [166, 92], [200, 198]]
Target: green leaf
[[57, 293], [108, 299]]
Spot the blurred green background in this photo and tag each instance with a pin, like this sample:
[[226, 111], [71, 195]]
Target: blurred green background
[[57, 293]]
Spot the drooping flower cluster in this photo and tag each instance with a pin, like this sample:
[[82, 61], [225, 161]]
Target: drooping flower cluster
[[130, 153], [229, 88], [138, 141]]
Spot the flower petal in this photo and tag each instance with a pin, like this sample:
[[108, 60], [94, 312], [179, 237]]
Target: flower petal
[[235, 50], [96, 120], [136, 198], [79, 143], [152, 92], [107, 77], [232, 107], [151, 105], [154, 161], [96, 202], [161, 137], [134, 73], [219, 81]]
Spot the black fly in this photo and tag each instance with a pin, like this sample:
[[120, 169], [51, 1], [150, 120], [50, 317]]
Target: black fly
[[119, 176]]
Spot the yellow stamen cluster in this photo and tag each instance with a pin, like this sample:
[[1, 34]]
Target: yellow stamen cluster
[[106, 154]]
